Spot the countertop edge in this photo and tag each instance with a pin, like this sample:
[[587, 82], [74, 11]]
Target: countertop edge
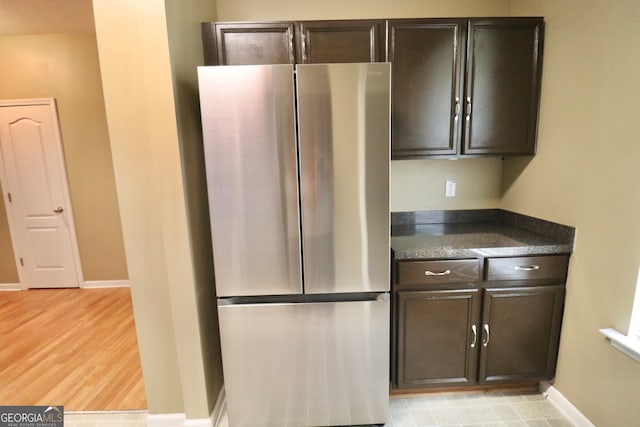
[[539, 237], [400, 255]]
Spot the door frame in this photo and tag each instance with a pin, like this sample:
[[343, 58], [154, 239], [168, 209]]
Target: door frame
[[17, 238]]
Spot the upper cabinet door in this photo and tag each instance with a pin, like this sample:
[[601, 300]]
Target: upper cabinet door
[[322, 42], [252, 43], [504, 64], [426, 57]]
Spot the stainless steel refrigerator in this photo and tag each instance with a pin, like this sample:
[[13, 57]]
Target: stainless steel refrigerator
[[297, 162]]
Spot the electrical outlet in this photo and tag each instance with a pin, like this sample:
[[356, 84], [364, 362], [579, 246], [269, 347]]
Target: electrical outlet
[[450, 188]]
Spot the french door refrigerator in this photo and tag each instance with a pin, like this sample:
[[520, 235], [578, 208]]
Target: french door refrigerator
[[297, 163]]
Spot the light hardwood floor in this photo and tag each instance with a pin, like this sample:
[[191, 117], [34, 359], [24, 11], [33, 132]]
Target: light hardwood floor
[[71, 347]]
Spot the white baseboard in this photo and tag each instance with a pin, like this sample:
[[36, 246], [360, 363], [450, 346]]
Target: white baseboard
[[165, 420], [97, 284], [200, 422], [10, 287], [178, 420], [563, 405]]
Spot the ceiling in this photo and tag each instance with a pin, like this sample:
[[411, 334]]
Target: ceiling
[[45, 16]]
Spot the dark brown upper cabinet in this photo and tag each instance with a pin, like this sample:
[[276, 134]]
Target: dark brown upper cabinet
[[304, 42], [464, 87], [248, 43], [427, 58], [322, 42], [504, 65]]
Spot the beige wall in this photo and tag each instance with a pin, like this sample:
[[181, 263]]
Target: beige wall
[[185, 49], [65, 67], [419, 184], [149, 125], [586, 174], [415, 184], [244, 10]]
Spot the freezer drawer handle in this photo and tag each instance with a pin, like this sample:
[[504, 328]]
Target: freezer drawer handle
[[443, 273], [526, 267]]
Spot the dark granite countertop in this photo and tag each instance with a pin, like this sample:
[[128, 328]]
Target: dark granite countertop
[[475, 233]]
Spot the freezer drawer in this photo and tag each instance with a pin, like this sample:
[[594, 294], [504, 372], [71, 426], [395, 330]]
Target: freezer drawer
[[306, 364]]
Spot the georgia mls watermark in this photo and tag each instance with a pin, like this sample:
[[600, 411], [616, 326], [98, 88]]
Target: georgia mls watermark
[[31, 416]]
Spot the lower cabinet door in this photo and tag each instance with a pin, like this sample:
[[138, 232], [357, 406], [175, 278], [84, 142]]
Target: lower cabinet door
[[438, 337], [520, 333]]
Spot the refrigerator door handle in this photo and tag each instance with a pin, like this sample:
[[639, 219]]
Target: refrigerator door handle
[[383, 297], [304, 299]]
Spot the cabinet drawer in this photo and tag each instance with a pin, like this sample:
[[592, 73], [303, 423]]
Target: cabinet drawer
[[445, 271], [527, 268]]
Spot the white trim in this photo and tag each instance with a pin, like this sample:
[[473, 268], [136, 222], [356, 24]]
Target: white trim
[[123, 412], [165, 420], [626, 344], [67, 195], [17, 244], [99, 284], [199, 422], [634, 323], [27, 101], [177, 420], [10, 287], [565, 407]]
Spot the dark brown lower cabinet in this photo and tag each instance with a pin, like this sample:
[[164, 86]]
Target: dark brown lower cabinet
[[447, 337], [520, 332], [437, 337]]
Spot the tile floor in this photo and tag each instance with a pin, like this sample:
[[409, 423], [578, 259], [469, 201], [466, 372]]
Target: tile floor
[[492, 409]]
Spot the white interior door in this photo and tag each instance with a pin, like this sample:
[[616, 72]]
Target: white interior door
[[34, 182]]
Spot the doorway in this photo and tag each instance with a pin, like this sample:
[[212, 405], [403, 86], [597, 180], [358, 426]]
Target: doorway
[[36, 193]]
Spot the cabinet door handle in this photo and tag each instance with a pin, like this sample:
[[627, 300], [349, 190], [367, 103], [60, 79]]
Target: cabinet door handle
[[486, 335], [457, 109], [304, 48], [526, 267], [468, 108], [432, 273], [474, 331]]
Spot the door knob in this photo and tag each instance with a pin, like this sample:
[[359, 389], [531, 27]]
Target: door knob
[[59, 209]]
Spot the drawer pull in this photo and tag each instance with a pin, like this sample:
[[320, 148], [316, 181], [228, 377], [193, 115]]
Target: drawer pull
[[526, 267], [443, 273], [486, 335], [474, 331]]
